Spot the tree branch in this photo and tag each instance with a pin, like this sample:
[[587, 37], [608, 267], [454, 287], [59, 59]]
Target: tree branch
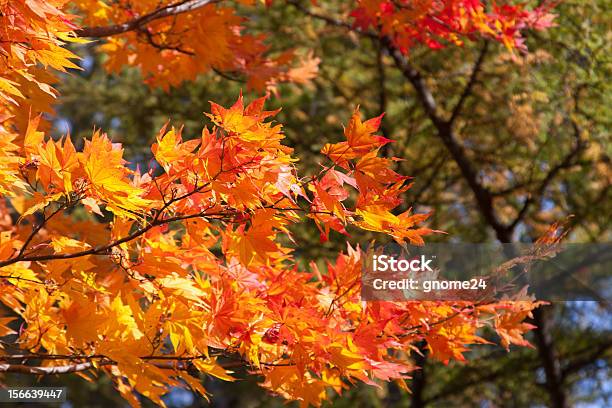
[[591, 354], [446, 133], [105, 248], [550, 176], [330, 20], [467, 91], [419, 378], [414, 77], [65, 369], [156, 221], [161, 361], [174, 9], [40, 226], [549, 360]]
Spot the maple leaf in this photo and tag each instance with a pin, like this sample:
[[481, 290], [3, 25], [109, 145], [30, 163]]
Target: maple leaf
[[346, 357], [107, 177], [376, 169], [246, 123], [8, 162], [169, 147], [58, 165], [360, 140], [211, 367], [256, 244], [511, 326]]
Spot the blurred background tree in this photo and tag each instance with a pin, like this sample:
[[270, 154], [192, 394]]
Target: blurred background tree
[[513, 143]]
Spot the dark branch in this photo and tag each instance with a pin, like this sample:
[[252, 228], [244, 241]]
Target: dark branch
[[162, 361], [40, 226], [467, 91], [446, 133], [414, 76], [591, 354], [548, 358], [567, 162], [330, 20]]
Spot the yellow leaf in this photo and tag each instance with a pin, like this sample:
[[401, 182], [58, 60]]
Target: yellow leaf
[[211, 367]]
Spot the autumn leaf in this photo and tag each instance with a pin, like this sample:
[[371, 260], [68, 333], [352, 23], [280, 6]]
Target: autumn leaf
[[107, 178]]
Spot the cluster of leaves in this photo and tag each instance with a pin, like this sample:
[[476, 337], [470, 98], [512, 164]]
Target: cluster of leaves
[[186, 263], [166, 56], [171, 42], [32, 38], [147, 34], [436, 23]]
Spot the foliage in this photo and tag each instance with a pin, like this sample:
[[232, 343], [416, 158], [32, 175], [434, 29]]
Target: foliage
[[31, 39], [168, 272], [438, 23], [132, 292]]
